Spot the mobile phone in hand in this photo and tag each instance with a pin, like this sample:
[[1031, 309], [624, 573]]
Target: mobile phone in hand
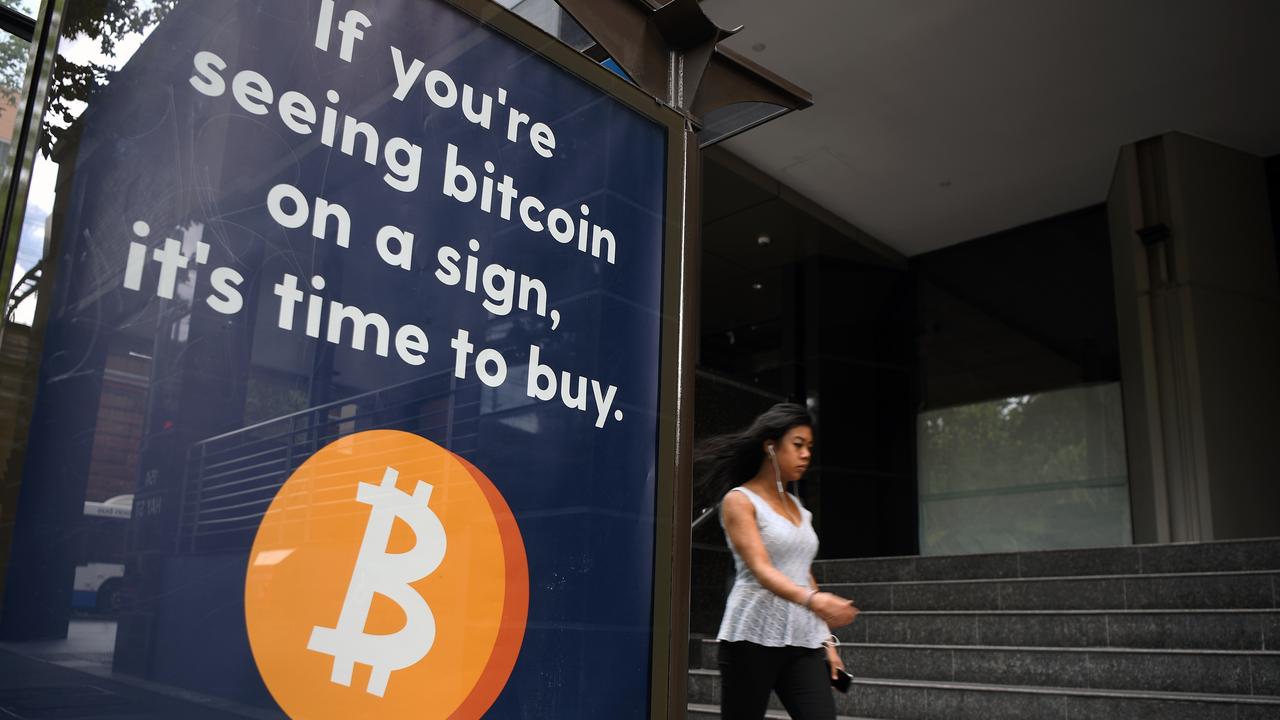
[[842, 680]]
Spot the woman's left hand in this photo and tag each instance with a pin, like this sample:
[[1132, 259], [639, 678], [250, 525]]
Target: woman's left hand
[[833, 661], [834, 610]]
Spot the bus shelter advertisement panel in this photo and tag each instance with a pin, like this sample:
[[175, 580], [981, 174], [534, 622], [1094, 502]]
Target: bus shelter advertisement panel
[[364, 298]]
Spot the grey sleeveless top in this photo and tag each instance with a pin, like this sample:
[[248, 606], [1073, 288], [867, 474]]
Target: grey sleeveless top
[[753, 613]]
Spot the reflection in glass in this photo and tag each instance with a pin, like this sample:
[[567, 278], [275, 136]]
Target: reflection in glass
[[156, 429], [1034, 472], [13, 68], [94, 46], [26, 7], [551, 19]]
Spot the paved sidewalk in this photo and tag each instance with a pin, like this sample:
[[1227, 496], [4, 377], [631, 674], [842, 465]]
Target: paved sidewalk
[[72, 679]]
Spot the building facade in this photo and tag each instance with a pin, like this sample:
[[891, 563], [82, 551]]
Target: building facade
[[1100, 375]]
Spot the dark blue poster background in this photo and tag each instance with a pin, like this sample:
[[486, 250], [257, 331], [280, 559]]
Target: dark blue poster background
[[211, 410]]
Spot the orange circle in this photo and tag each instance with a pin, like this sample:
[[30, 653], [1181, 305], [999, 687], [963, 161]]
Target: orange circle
[[305, 558]]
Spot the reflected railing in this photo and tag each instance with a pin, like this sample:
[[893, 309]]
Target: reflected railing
[[232, 478]]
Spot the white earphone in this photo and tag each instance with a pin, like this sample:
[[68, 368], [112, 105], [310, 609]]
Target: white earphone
[[777, 477]]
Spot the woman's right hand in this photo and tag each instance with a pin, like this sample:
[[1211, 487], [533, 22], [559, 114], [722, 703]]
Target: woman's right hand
[[834, 610]]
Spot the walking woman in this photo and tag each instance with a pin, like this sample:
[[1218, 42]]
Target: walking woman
[[776, 619]]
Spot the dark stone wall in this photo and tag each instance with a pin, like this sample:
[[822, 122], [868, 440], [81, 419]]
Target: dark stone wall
[[859, 367], [1018, 312], [1273, 190]]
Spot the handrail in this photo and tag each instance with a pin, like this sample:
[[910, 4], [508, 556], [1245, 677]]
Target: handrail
[[703, 517], [717, 547]]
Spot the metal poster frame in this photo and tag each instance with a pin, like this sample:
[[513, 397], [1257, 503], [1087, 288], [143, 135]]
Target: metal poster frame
[[670, 581], [670, 619]]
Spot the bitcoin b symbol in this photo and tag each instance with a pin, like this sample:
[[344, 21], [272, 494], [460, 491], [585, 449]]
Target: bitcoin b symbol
[[390, 575], [350, 575]]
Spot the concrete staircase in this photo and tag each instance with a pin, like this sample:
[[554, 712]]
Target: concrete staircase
[[1164, 632]]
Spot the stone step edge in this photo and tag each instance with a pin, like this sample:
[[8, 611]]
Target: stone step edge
[[1042, 690], [1055, 578], [771, 714], [1057, 649], [1010, 553], [1071, 611]]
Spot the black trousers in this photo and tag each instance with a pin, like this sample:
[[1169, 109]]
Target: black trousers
[[800, 677]]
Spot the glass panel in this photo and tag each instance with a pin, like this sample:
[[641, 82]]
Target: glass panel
[[1035, 472], [13, 71], [723, 123], [551, 19], [26, 7], [722, 406], [255, 458]]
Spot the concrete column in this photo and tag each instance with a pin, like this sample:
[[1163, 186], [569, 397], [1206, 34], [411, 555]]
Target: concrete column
[[1198, 307]]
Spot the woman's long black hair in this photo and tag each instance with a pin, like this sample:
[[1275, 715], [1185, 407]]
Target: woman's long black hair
[[726, 461]]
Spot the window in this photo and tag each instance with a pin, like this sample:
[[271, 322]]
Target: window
[[1033, 472]]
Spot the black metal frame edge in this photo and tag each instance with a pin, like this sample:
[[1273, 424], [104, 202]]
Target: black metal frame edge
[[670, 618], [12, 21]]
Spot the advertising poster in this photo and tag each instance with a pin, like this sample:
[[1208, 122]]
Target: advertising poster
[[360, 304]]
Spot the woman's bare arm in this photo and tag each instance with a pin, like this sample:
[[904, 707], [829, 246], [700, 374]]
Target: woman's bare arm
[[739, 517]]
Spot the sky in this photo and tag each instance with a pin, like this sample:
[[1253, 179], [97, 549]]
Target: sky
[[41, 196]]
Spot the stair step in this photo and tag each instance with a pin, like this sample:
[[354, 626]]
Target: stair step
[[937, 700], [1230, 555], [698, 711], [1245, 674], [1156, 629], [1201, 590], [1203, 671]]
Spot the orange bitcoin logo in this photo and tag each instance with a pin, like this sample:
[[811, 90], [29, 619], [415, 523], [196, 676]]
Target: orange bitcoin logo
[[388, 579]]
